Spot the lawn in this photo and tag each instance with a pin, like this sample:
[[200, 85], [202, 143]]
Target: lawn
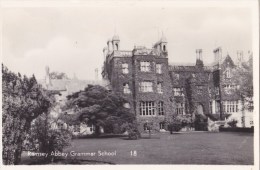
[[186, 148]]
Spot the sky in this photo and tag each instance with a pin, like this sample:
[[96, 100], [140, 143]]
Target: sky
[[71, 39]]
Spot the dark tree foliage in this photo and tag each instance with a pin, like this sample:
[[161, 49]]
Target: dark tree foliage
[[23, 100], [200, 122], [46, 137], [179, 121], [244, 76], [102, 108], [232, 123]]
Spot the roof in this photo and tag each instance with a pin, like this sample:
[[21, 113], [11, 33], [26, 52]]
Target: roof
[[188, 68], [163, 39], [69, 85], [115, 38]]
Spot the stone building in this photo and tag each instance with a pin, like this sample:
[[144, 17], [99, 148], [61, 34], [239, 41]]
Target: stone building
[[62, 88], [156, 90]]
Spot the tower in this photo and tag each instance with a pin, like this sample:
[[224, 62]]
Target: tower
[[47, 77], [163, 44], [116, 42], [109, 45], [96, 74]]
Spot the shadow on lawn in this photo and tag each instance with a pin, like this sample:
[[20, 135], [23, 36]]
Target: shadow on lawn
[[102, 136], [70, 162]]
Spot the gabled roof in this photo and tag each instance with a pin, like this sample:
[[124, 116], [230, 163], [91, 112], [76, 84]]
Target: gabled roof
[[228, 62]]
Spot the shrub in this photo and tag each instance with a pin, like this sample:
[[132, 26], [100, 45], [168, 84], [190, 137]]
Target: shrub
[[232, 123], [46, 138]]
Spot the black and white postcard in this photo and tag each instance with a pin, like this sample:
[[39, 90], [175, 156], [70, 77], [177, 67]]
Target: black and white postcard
[[150, 82]]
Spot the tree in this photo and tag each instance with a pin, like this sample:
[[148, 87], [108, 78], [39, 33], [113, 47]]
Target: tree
[[100, 107], [46, 137], [23, 100], [244, 77], [58, 75]]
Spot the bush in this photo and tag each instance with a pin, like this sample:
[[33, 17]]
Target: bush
[[201, 123], [178, 122], [175, 127], [46, 138], [132, 130], [232, 123]]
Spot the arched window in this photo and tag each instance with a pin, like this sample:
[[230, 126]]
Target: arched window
[[164, 47], [116, 46]]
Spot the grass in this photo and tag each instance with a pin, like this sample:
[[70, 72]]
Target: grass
[[190, 148]]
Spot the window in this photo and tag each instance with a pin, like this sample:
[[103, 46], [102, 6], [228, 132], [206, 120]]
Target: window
[[159, 87], [145, 66], [210, 107], [160, 108], [147, 108], [209, 91], [230, 106], [177, 76], [146, 86], [164, 48], [126, 88], [127, 105], [217, 90], [178, 91], [217, 107], [91, 127], [179, 108], [250, 105], [125, 68], [228, 75], [76, 128], [228, 87], [159, 68], [199, 89], [146, 127], [251, 122], [162, 125]]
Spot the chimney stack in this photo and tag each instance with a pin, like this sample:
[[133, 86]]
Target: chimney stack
[[105, 53], [240, 58], [218, 54], [96, 74], [199, 54]]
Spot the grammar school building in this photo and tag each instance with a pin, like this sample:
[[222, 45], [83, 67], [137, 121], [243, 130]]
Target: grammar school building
[[156, 90]]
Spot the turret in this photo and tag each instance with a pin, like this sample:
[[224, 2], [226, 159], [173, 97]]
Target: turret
[[116, 42]]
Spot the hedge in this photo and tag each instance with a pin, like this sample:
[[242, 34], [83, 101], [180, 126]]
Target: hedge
[[236, 129]]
